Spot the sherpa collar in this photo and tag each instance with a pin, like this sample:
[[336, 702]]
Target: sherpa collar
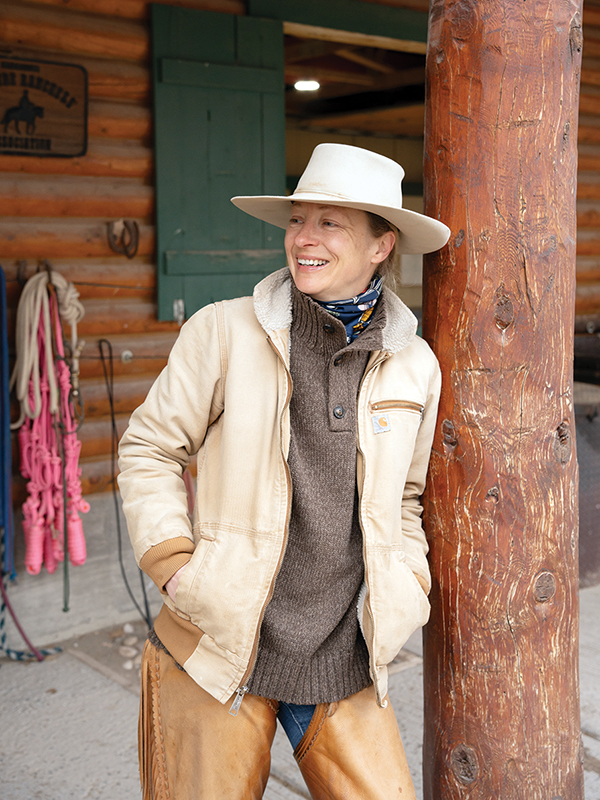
[[273, 309]]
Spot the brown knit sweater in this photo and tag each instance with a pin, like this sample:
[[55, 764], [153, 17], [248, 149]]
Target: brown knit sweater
[[311, 649]]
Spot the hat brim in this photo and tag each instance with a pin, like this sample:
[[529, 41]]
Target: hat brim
[[418, 233]]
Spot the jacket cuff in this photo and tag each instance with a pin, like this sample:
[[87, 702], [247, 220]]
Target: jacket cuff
[[163, 560]]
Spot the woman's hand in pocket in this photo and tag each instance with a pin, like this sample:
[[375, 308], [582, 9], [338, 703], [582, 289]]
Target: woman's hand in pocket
[[172, 583]]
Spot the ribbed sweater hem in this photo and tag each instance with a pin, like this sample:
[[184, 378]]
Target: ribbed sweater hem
[[326, 679]]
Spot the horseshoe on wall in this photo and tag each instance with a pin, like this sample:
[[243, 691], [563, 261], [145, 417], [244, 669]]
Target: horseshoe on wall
[[124, 237]]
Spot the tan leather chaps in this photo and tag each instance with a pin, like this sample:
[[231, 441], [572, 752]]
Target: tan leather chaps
[[191, 748]]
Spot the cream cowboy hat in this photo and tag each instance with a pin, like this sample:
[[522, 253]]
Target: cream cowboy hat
[[342, 175]]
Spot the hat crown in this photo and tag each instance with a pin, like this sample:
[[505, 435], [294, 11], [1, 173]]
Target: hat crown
[[344, 172]]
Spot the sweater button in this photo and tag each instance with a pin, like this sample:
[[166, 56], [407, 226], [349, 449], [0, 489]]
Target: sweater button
[[337, 361], [328, 327], [339, 412]]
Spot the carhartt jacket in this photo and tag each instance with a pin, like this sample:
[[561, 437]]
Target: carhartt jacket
[[225, 395]]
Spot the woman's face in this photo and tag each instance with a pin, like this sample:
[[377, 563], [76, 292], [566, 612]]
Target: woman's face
[[331, 251]]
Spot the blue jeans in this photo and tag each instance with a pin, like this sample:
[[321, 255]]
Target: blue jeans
[[295, 720]]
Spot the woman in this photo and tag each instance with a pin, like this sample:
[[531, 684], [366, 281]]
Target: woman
[[303, 572]]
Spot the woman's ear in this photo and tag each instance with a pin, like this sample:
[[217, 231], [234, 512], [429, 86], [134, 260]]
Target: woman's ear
[[386, 243]]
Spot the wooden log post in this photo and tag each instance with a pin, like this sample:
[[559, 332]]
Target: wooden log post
[[501, 650]]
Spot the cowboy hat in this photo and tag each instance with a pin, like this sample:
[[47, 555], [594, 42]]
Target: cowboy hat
[[343, 175]]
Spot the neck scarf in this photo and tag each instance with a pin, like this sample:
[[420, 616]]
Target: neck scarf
[[356, 312]]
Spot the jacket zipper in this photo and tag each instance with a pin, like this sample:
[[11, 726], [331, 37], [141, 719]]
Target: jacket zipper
[[367, 605], [242, 688], [404, 405]]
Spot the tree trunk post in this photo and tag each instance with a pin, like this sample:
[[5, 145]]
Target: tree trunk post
[[501, 649]]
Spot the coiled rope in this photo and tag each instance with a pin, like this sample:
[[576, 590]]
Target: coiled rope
[[47, 436]]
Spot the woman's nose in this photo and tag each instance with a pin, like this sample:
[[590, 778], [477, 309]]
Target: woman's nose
[[307, 235]]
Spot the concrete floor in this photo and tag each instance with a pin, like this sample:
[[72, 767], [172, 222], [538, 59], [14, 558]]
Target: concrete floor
[[69, 724]]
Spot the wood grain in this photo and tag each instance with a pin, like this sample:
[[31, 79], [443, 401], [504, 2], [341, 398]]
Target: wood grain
[[71, 32], [501, 649], [45, 237]]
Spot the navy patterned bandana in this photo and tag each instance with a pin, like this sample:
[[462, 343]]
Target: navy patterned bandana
[[356, 312]]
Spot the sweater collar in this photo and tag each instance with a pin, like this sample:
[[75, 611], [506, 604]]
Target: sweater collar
[[273, 309], [321, 331]]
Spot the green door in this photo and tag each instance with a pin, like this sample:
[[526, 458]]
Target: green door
[[219, 132]]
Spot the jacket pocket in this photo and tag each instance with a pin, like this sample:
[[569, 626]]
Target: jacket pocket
[[403, 607], [188, 577], [397, 405]]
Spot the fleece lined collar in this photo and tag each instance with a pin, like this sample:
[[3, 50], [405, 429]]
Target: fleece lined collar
[[273, 309]]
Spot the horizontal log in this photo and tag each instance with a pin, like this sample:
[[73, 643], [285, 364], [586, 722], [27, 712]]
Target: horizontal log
[[589, 162], [149, 353], [58, 238], [103, 159], [591, 47], [109, 273], [588, 214], [108, 79], [119, 120], [591, 16], [588, 102], [587, 299], [115, 80], [128, 394], [33, 196], [96, 475], [588, 276], [87, 292], [590, 76], [105, 318], [589, 134], [73, 32], [138, 9], [96, 435], [119, 316], [588, 243], [588, 186]]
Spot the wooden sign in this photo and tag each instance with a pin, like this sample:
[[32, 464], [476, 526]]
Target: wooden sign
[[43, 108]]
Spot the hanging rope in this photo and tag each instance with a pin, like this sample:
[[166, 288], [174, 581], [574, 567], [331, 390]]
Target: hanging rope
[[47, 424]]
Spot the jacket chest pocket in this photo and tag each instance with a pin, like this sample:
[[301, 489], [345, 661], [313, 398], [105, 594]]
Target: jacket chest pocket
[[383, 406]]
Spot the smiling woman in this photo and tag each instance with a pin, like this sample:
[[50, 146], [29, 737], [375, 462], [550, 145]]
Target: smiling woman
[[331, 251], [303, 572]]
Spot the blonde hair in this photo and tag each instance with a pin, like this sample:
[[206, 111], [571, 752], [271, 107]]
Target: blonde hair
[[388, 268]]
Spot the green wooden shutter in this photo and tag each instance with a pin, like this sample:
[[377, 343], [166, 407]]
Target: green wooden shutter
[[219, 132]]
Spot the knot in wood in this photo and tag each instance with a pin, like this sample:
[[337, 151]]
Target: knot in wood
[[565, 135], [544, 587], [576, 35], [449, 434], [493, 494], [463, 761], [463, 18], [460, 237], [562, 443], [504, 313]]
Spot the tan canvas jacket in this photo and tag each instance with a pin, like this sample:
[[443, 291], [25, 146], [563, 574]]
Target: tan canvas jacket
[[225, 394]]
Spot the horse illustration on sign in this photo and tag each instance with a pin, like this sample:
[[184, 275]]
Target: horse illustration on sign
[[25, 112]]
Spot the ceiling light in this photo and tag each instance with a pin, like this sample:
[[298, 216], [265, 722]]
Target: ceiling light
[[307, 86]]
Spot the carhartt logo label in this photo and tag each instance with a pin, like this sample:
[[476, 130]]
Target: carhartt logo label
[[381, 423]]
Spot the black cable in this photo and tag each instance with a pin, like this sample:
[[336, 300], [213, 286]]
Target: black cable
[[114, 441]]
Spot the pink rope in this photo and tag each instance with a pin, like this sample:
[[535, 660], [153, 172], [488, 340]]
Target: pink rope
[[41, 464]]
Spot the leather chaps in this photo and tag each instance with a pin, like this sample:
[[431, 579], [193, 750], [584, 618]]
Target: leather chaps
[[191, 748]]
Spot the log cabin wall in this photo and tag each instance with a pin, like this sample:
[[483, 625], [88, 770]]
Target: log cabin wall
[[58, 209], [587, 307]]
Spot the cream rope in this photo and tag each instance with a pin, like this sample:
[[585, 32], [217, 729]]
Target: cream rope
[[33, 301]]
